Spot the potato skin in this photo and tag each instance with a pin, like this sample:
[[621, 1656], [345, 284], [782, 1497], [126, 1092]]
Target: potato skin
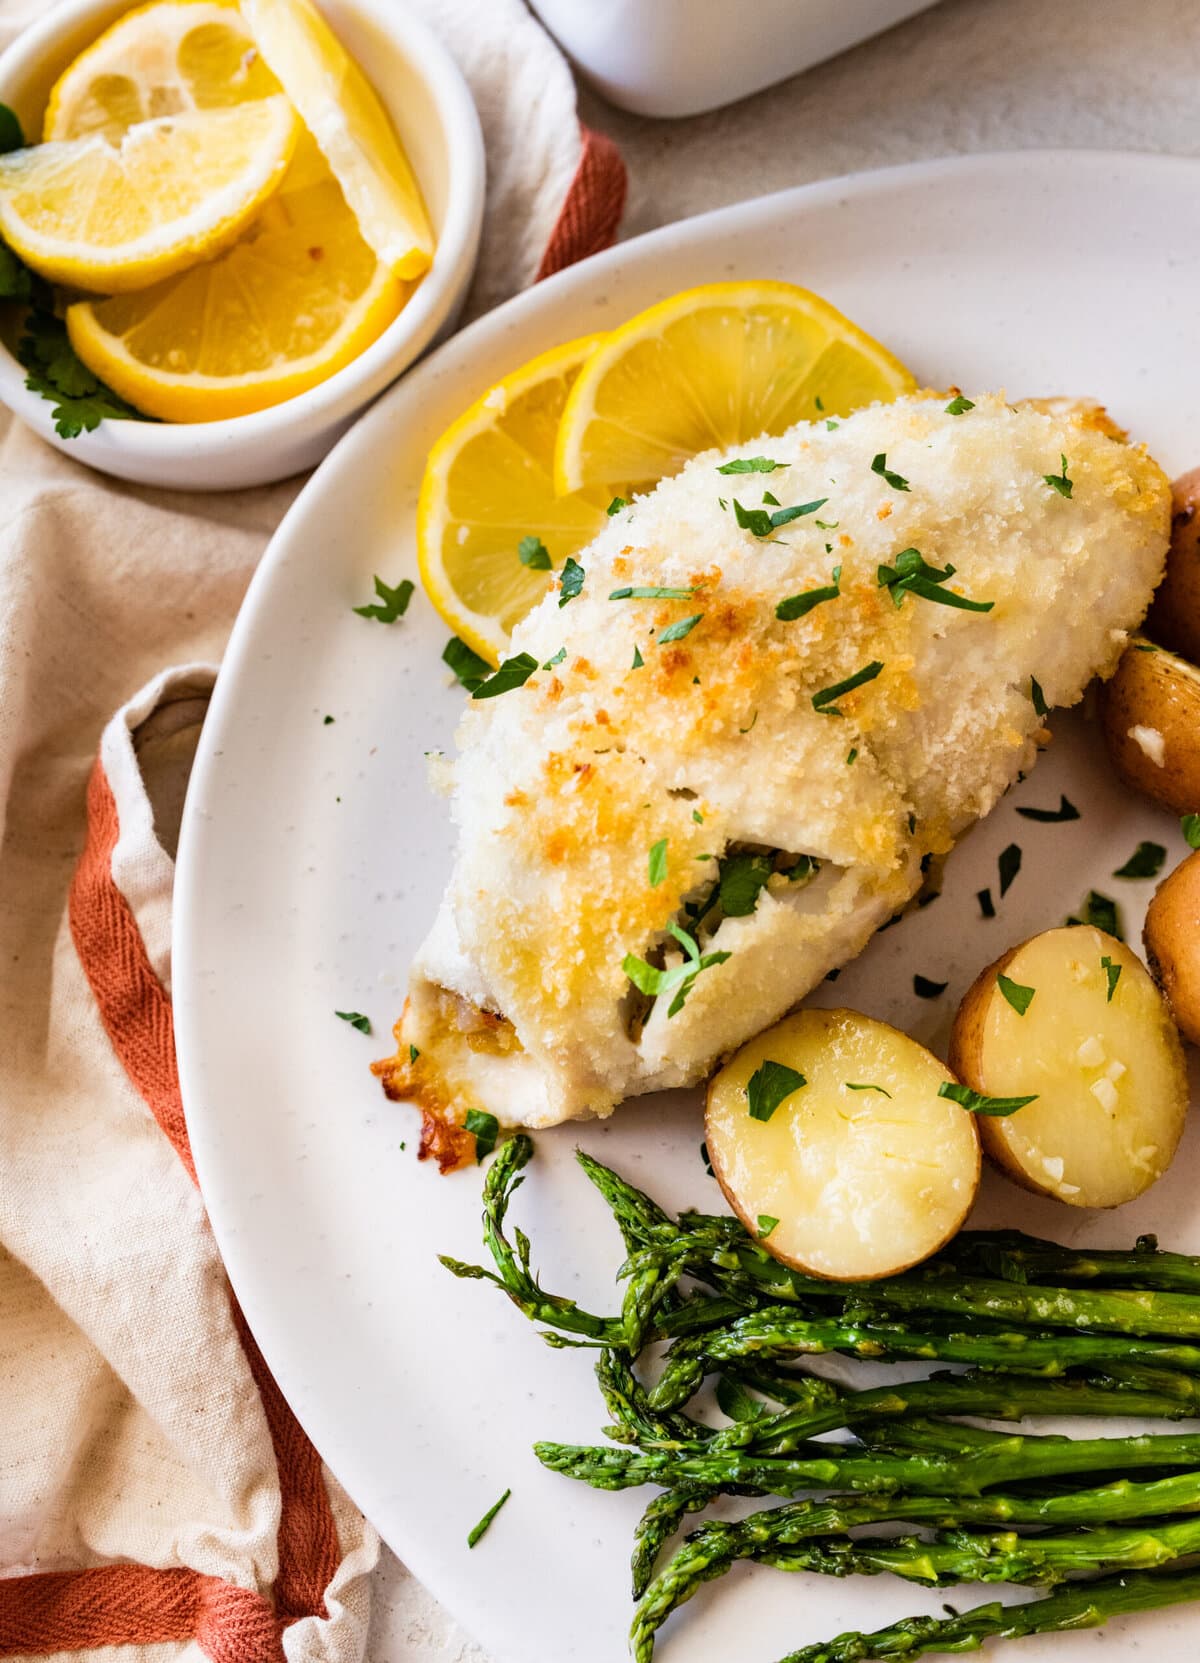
[[1172, 940], [1158, 691], [1174, 617]]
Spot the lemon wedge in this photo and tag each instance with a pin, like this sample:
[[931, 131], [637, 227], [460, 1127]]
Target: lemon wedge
[[714, 367], [163, 59], [489, 484], [299, 296], [341, 110], [170, 192]]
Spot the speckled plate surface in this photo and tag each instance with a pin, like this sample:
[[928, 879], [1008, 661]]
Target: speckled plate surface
[[313, 856]]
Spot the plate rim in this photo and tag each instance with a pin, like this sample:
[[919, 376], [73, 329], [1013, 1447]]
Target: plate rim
[[253, 1293]]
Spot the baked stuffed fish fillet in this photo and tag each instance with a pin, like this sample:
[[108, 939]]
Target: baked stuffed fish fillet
[[775, 695]]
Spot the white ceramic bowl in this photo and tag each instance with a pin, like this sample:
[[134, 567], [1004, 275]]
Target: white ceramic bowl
[[435, 117]]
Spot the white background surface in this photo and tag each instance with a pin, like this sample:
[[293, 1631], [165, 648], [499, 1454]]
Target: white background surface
[[969, 75]]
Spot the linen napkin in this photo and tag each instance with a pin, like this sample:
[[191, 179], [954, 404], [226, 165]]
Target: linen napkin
[[155, 1491]]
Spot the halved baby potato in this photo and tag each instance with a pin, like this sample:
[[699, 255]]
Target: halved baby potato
[[1150, 717], [1172, 938], [858, 1171], [1174, 616], [1073, 1019]]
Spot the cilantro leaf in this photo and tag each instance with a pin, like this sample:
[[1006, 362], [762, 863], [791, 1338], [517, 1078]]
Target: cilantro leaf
[[570, 581], [895, 480], [1190, 827], [356, 1019], [1059, 481], [977, 1103], [513, 673], [486, 1129], [1066, 810], [1018, 996], [681, 627], [478, 1530], [394, 601], [751, 464], [658, 862], [925, 989], [16, 279], [796, 606], [1146, 861], [468, 667], [958, 406], [532, 552], [769, 1085], [824, 700], [1113, 973], [913, 575], [81, 400]]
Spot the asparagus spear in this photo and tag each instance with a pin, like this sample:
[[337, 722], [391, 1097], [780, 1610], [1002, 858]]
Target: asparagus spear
[[1078, 1605], [635, 1421], [777, 1331], [662, 1518], [708, 1552], [1019, 1459], [1016, 1257]]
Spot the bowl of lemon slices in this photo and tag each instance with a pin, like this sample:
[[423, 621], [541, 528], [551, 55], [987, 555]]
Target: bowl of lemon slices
[[219, 240]]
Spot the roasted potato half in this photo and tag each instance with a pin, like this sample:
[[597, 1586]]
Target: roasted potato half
[[854, 1167], [1150, 716], [1174, 617], [1073, 1019], [1172, 938]]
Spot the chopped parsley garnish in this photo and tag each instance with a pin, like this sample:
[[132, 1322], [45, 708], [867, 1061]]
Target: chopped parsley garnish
[[1040, 707], [1190, 827], [770, 1083], [326, 721], [853, 1085], [1059, 481], [925, 989], [796, 606], [485, 1128], [1066, 810], [682, 627], [705, 1159], [806, 867], [679, 978], [638, 661], [987, 908], [751, 722], [356, 1019], [468, 667], [896, 480], [570, 581], [557, 659], [474, 1535], [532, 552], [1009, 865], [697, 817], [851, 755], [734, 1400], [615, 506], [820, 403], [742, 879], [1146, 861], [831, 424], [658, 862], [1018, 996], [977, 1103], [650, 593], [825, 700], [413, 1053], [751, 464], [1101, 912], [913, 575], [392, 604], [1113, 973], [11, 136], [959, 406], [763, 524], [765, 1225], [513, 673]]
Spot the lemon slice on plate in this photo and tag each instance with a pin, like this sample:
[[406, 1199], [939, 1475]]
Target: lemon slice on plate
[[113, 217], [714, 367], [341, 110], [299, 296], [162, 59], [489, 483]]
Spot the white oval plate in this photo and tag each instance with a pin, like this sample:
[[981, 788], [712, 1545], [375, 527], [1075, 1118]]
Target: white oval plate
[[314, 854]]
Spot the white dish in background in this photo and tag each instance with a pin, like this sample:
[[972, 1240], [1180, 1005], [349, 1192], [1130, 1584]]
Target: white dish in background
[[435, 116], [313, 857], [681, 57]]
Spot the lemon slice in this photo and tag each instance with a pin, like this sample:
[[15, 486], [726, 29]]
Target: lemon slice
[[714, 367], [341, 110], [488, 484], [163, 59], [113, 217], [294, 300]]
